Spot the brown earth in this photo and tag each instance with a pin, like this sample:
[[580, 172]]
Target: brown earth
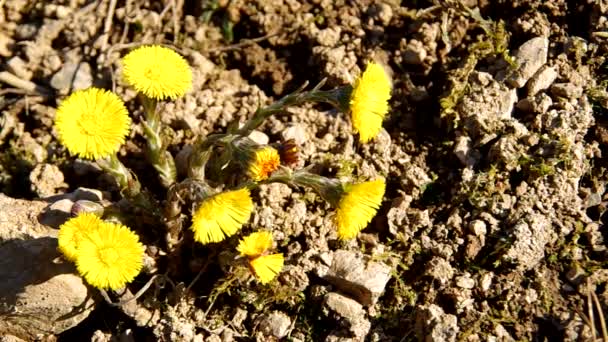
[[493, 223]]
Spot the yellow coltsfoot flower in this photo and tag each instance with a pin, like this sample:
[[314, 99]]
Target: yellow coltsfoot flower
[[109, 257], [264, 267], [72, 231], [369, 101], [357, 206], [157, 72], [92, 123], [265, 161], [221, 215]]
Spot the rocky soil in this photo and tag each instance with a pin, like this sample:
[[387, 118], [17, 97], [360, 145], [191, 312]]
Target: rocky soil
[[493, 223]]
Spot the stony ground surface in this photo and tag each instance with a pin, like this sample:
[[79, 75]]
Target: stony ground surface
[[492, 226]]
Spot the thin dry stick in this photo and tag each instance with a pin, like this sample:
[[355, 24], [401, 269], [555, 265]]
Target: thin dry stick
[[107, 25], [601, 314], [590, 310], [139, 293], [247, 42], [28, 86]]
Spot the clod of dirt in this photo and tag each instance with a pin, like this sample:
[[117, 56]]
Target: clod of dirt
[[433, 324], [46, 180], [531, 234], [440, 269], [355, 274], [567, 90], [542, 80], [530, 56], [344, 307], [275, 324], [39, 296], [486, 106], [19, 219]]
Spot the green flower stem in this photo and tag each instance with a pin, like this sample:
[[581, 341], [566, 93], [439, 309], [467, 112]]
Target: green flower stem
[[330, 189], [297, 97], [129, 186], [159, 157]]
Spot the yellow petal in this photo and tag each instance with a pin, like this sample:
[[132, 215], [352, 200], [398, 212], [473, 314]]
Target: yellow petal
[[358, 206], [267, 267], [109, 257], [369, 101], [92, 123], [221, 215], [266, 161], [255, 244], [71, 232], [158, 72]]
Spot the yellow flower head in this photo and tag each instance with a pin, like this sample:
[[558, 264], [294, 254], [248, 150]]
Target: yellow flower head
[[92, 123], [157, 72], [72, 231], [369, 101], [358, 206], [221, 215], [110, 257], [265, 161], [265, 267], [255, 244]]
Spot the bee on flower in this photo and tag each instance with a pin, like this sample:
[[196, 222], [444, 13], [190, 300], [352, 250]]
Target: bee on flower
[[255, 247]]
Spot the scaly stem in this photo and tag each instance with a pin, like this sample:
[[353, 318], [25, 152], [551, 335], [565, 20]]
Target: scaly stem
[[129, 186], [159, 157]]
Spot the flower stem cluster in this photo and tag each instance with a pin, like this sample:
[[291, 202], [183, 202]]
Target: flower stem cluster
[[223, 168]]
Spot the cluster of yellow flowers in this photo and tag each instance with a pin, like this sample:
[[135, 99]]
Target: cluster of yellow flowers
[[94, 123], [108, 255]]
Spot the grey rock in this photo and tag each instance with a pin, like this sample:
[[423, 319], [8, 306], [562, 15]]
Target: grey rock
[[478, 227], [433, 324], [541, 80], [486, 281], [463, 149], [530, 56], [344, 307], [39, 296], [440, 269], [531, 234], [26, 31], [465, 281], [296, 132], [414, 53], [295, 277], [567, 90], [275, 324], [74, 76], [259, 137], [19, 219], [355, 274], [18, 66], [46, 180], [538, 104]]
